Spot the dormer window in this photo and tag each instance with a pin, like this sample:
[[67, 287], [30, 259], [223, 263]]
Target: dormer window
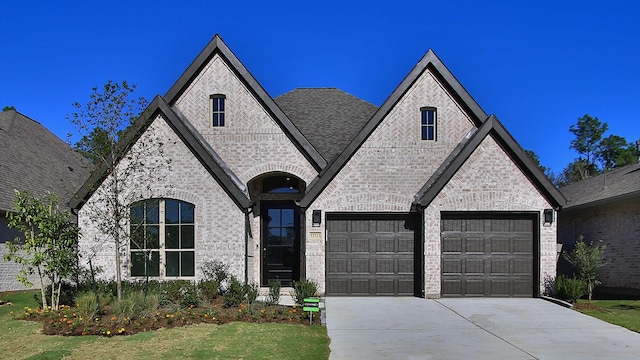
[[216, 104], [429, 123]]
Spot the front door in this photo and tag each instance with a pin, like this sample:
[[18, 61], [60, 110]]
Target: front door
[[280, 242]]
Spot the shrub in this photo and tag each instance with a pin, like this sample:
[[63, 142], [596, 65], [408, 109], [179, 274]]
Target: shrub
[[135, 304], [209, 290], [235, 294], [568, 288], [252, 291], [87, 305], [303, 289], [190, 297], [274, 292], [586, 260], [217, 271]]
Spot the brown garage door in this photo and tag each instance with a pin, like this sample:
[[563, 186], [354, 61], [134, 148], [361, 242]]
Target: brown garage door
[[370, 254], [488, 254]]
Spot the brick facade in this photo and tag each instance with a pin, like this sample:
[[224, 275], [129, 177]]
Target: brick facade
[[617, 225]]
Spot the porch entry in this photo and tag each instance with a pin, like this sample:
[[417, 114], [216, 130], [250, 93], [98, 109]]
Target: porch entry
[[280, 242]]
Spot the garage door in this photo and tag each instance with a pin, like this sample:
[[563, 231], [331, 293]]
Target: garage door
[[488, 254], [370, 254]]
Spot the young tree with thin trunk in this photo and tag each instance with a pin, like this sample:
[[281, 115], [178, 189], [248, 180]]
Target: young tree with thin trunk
[[105, 125], [48, 246]]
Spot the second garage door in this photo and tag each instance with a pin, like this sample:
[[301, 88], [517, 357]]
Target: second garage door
[[488, 254], [370, 254]]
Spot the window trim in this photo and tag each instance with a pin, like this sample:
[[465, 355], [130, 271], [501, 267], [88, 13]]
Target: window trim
[[220, 120], [425, 126], [162, 248]]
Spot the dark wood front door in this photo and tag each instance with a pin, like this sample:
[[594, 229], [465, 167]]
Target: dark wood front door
[[280, 243]]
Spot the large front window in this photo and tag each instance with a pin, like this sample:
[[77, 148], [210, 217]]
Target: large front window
[[162, 238]]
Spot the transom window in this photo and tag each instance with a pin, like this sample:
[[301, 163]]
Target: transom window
[[162, 238], [217, 109], [429, 123]]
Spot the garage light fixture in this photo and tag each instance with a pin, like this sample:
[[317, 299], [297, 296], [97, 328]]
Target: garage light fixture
[[548, 216], [316, 217]]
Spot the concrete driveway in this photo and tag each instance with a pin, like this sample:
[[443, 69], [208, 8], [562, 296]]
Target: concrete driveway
[[413, 328]]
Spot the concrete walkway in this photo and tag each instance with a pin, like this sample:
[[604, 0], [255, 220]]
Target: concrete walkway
[[413, 328]]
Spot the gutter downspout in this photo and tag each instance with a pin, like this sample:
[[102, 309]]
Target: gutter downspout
[[247, 234]]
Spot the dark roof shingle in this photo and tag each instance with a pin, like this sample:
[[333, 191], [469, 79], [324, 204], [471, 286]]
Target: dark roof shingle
[[617, 183], [328, 117], [35, 160]]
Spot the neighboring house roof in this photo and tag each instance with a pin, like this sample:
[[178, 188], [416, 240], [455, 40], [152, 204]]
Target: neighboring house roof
[[330, 118], [217, 46], [429, 61], [491, 127], [617, 184], [191, 138], [33, 159]]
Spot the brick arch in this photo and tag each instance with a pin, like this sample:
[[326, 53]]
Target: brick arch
[[171, 193], [278, 166]]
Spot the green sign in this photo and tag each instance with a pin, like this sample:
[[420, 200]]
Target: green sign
[[311, 304]]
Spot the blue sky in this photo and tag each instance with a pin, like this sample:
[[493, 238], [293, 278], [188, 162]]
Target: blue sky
[[536, 65]]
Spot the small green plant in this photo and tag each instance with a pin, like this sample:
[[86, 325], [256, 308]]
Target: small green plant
[[235, 294], [303, 289], [190, 297], [252, 290], [274, 292], [87, 305], [215, 270], [209, 290], [135, 304], [586, 259], [568, 288]]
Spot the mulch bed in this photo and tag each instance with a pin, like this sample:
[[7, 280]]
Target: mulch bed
[[68, 323]]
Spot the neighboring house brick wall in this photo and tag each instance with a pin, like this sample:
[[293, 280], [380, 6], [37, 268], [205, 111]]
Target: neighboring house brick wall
[[618, 226], [488, 181], [219, 223], [392, 165], [251, 142], [9, 269]]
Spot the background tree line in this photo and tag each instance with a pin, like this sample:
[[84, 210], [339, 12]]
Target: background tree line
[[596, 154]]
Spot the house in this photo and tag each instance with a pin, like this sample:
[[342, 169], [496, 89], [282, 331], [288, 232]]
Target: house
[[35, 160], [426, 195], [607, 207]]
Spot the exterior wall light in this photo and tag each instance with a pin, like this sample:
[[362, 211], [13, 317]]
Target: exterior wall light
[[316, 218], [548, 216]]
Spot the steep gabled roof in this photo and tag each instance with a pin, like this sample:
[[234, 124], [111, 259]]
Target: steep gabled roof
[[468, 146], [190, 137], [217, 46], [429, 61], [330, 118], [35, 160], [615, 185]]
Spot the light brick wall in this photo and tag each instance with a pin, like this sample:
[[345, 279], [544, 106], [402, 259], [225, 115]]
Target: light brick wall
[[392, 165], [618, 226], [8, 269], [251, 142], [219, 223], [488, 181]]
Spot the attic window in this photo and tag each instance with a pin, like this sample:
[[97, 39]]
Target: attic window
[[216, 104], [429, 123]]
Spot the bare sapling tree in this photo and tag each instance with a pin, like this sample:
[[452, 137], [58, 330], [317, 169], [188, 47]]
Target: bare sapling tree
[[128, 159]]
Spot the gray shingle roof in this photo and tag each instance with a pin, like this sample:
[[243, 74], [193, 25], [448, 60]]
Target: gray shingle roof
[[34, 159], [329, 118], [615, 184]]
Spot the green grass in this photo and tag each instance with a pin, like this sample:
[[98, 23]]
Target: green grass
[[22, 340], [625, 313]]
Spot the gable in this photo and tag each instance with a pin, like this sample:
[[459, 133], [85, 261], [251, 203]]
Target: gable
[[390, 142], [253, 117]]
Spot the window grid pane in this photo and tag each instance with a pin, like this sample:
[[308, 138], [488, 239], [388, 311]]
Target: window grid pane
[[428, 121], [217, 111]]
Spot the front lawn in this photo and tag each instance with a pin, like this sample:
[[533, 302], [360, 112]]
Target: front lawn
[[625, 313], [24, 339]]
